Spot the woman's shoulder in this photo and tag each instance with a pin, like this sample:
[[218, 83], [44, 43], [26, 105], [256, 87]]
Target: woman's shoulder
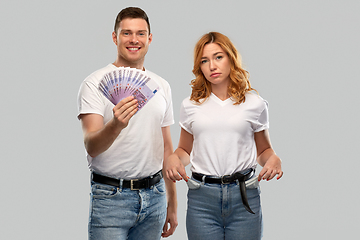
[[254, 96], [255, 100], [186, 102], [190, 106]]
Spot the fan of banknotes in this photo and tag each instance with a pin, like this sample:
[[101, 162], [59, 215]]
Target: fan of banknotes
[[124, 82]]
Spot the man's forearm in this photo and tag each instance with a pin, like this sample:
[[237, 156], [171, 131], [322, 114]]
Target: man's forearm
[[99, 141]]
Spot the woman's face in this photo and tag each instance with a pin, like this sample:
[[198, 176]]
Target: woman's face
[[215, 64]]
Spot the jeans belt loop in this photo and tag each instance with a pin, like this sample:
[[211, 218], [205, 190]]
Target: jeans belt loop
[[121, 184]]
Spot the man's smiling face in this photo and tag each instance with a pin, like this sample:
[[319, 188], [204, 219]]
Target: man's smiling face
[[132, 41]]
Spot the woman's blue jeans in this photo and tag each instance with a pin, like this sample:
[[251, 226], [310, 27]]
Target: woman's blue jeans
[[216, 211], [121, 213]]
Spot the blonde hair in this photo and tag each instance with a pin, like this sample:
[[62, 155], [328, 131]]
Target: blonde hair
[[239, 77]]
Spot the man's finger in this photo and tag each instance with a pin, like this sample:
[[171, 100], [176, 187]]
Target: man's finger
[[123, 102]]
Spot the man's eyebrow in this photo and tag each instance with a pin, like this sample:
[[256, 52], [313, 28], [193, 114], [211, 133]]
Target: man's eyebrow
[[129, 30]]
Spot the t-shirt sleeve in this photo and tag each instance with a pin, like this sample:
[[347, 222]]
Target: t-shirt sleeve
[[90, 99], [169, 113], [185, 119], [262, 121]]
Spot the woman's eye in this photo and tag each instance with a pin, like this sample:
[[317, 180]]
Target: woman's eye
[[219, 57], [203, 61]]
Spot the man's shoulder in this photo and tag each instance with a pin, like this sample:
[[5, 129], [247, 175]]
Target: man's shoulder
[[156, 77], [98, 74]]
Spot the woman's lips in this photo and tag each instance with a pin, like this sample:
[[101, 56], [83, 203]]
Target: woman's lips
[[215, 75]]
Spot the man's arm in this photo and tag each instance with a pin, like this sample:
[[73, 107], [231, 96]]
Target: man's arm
[[98, 137], [171, 217]]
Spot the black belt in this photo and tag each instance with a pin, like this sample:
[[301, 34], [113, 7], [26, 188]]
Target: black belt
[[133, 184], [229, 179]]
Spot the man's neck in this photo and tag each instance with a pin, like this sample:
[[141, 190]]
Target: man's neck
[[138, 65]]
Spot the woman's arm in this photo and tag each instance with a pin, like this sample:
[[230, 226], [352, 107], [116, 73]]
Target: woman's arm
[[174, 165], [266, 157]]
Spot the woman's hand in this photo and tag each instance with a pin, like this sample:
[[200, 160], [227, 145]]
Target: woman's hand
[[267, 158], [174, 169], [271, 168], [174, 165]]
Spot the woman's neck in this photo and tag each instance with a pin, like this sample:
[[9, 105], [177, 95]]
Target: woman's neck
[[220, 91]]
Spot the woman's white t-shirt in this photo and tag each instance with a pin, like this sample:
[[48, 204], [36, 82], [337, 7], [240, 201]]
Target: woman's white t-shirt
[[224, 133]]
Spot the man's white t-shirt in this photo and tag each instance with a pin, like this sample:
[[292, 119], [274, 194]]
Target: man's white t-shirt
[[138, 151], [224, 133]]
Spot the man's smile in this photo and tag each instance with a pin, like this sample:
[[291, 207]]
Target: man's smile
[[133, 48]]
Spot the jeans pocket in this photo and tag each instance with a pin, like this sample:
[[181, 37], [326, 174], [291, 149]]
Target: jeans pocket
[[103, 191], [252, 183], [192, 184], [160, 188]]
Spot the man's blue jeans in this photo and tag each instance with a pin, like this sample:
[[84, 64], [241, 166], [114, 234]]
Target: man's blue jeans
[[121, 213], [216, 211]]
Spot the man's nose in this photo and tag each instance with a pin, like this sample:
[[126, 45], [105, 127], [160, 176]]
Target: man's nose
[[134, 39]]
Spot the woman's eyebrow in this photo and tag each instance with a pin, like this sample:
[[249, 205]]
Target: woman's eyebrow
[[214, 54], [217, 53]]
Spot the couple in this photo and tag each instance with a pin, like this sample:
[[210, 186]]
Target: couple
[[224, 128]]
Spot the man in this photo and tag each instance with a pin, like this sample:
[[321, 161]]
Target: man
[[124, 150]]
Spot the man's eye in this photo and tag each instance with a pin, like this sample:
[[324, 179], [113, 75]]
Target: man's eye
[[126, 33]]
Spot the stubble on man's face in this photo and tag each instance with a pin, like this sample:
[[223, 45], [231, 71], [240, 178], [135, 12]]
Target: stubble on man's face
[[132, 40]]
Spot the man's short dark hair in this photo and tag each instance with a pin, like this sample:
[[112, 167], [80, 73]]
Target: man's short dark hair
[[131, 12]]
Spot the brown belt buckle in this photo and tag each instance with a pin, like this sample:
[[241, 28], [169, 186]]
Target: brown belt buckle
[[132, 184]]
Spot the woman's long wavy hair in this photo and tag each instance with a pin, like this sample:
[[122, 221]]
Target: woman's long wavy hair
[[239, 77]]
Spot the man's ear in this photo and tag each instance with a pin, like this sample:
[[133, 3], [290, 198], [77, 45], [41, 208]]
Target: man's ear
[[150, 38], [114, 38]]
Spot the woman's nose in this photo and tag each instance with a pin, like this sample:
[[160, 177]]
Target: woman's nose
[[212, 66]]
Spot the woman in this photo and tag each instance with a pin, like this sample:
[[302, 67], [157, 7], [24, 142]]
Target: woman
[[224, 128]]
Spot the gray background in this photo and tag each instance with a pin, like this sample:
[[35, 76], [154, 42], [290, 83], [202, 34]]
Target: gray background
[[302, 57]]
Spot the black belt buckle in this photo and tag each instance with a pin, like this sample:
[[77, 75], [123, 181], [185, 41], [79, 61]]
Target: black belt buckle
[[225, 179]]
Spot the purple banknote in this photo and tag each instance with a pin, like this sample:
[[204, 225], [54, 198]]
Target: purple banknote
[[124, 82]]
